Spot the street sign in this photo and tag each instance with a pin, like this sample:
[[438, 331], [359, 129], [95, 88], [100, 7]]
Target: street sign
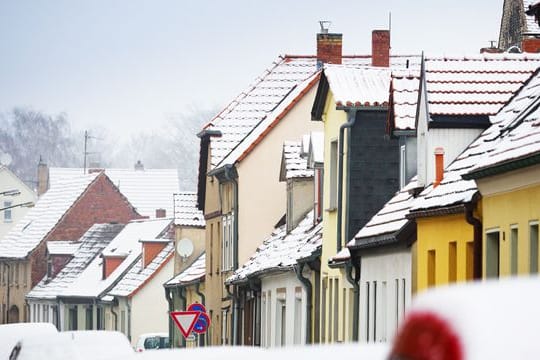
[[194, 320], [185, 320]]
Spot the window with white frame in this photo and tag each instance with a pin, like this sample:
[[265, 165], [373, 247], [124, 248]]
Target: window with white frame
[[333, 174], [281, 317], [533, 247], [227, 243], [298, 316], [7, 212]]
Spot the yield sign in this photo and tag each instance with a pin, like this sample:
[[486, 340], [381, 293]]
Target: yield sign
[[185, 320]]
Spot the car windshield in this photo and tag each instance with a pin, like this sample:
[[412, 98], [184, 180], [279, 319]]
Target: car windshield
[[156, 342]]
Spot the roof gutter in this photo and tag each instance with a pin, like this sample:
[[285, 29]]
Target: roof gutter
[[514, 164]]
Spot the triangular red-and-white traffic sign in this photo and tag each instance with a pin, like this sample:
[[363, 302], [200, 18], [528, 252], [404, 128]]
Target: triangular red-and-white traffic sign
[[185, 320]]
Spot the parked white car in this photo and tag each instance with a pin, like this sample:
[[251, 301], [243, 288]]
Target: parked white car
[[152, 341]]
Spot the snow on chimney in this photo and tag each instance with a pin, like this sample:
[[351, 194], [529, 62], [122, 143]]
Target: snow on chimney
[[151, 248], [380, 48], [139, 166], [329, 46], [439, 166]]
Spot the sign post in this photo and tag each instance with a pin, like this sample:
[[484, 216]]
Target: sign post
[[193, 320]]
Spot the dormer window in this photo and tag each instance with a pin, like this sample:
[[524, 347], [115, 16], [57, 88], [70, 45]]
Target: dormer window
[[110, 263], [151, 249]]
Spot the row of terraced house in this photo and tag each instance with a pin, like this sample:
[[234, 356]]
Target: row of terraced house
[[329, 192], [336, 187]]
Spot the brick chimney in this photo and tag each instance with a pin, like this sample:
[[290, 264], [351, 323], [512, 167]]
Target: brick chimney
[[329, 46], [380, 48], [151, 248], [439, 166], [43, 177], [161, 213]]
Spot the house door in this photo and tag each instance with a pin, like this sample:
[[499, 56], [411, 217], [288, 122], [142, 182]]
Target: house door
[[492, 254], [13, 314]]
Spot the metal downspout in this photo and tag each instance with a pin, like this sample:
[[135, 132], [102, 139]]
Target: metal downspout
[[202, 338], [129, 320], [169, 299], [183, 299], [477, 236], [351, 119], [356, 290], [115, 317], [298, 269], [230, 176]]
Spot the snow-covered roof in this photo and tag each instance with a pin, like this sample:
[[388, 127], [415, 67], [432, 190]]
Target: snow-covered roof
[[90, 246], [146, 189], [479, 84], [62, 247], [390, 219], [138, 276], [192, 274], [518, 140], [531, 24], [316, 149], [282, 250], [90, 283], [342, 255], [254, 111], [453, 189], [352, 86], [293, 164], [43, 217], [186, 212]]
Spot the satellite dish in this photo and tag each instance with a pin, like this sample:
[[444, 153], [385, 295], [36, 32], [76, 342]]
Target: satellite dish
[[5, 159], [184, 248]]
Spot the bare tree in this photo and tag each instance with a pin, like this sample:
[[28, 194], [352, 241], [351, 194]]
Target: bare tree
[[28, 135]]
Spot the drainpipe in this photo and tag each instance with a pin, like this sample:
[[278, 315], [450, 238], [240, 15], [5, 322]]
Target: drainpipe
[[182, 296], [203, 300], [354, 264], [234, 307], [351, 119], [59, 325], [232, 176], [115, 303], [298, 269], [477, 236], [7, 291], [129, 319], [168, 297]]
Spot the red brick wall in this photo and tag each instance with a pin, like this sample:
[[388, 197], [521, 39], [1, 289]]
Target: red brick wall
[[101, 203], [530, 45], [329, 48], [380, 48]]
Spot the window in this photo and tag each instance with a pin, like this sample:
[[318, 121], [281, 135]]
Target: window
[[100, 317], [431, 268], [402, 166], [336, 310], [24, 274], [533, 248], [227, 245], [513, 250], [46, 313], [269, 320], [72, 318], [263, 318], [16, 274], [382, 313], [374, 312], [7, 212], [333, 174], [368, 303], [452, 262], [211, 249], [123, 321], [492, 254], [318, 193]]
